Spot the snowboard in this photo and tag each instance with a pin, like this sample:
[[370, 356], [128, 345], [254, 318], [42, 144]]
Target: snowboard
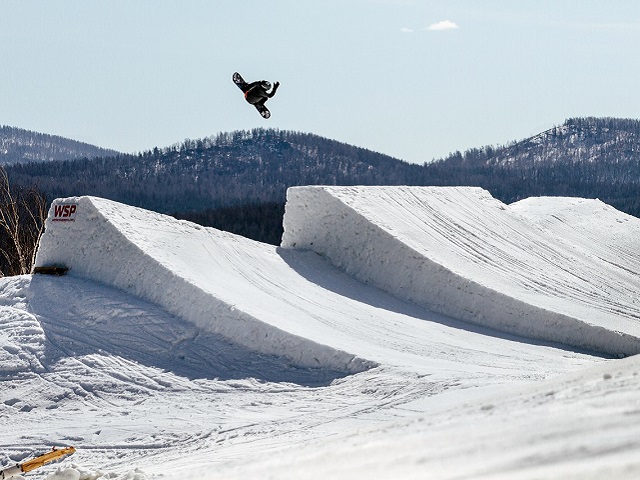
[[242, 85]]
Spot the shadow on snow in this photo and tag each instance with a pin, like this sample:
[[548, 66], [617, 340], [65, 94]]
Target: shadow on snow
[[315, 268], [90, 318]]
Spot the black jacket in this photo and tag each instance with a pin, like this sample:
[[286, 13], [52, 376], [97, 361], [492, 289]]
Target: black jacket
[[258, 92]]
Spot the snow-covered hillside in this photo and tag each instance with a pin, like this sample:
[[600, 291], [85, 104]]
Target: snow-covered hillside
[[176, 350]]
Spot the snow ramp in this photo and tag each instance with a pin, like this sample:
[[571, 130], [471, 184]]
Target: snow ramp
[[460, 252], [591, 225], [205, 276]]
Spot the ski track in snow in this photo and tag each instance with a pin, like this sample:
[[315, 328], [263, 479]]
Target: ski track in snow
[[144, 378]]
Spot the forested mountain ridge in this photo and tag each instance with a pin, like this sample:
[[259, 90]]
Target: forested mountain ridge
[[237, 181], [577, 140], [18, 146], [226, 170], [584, 157]]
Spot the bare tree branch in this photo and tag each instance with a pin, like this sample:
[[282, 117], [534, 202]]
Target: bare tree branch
[[22, 215]]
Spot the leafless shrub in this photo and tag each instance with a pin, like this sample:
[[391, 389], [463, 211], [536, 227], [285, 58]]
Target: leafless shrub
[[22, 215]]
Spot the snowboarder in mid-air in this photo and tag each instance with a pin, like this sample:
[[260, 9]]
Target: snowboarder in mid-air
[[256, 93]]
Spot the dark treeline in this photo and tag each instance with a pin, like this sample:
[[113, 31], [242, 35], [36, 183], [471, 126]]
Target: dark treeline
[[237, 181], [262, 221]]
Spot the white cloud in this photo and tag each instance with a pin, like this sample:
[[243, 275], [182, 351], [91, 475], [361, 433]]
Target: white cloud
[[443, 25], [406, 30]]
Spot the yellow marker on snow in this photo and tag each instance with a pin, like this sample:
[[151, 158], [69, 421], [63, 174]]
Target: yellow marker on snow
[[37, 462]]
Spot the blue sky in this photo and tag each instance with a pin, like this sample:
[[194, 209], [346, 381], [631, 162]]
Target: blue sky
[[412, 79]]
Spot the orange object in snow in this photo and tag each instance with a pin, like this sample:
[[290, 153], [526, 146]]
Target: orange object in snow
[[37, 462]]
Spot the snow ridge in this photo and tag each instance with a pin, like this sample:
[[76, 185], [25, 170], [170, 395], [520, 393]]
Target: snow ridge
[[454, 250], [140, 252], [462, 253]]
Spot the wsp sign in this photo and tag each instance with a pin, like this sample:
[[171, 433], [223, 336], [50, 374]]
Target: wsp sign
[[64, 212]]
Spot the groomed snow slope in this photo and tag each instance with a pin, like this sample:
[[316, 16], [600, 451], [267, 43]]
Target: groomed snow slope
[[269, 300], [145, 393], [202, 275], [460, 252], [597, 229]]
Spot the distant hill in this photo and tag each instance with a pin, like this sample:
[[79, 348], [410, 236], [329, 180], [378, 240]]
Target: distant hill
[[226, 170], [237, 181], [584, 157], [19, 146]]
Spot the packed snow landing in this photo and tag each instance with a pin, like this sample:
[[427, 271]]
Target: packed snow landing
[[189, 352]]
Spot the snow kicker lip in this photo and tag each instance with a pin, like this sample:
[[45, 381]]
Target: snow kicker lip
[[433, 246], [115, 244]]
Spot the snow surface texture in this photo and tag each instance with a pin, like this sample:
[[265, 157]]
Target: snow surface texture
[[179, 352], [460, 252], [201, 286]]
